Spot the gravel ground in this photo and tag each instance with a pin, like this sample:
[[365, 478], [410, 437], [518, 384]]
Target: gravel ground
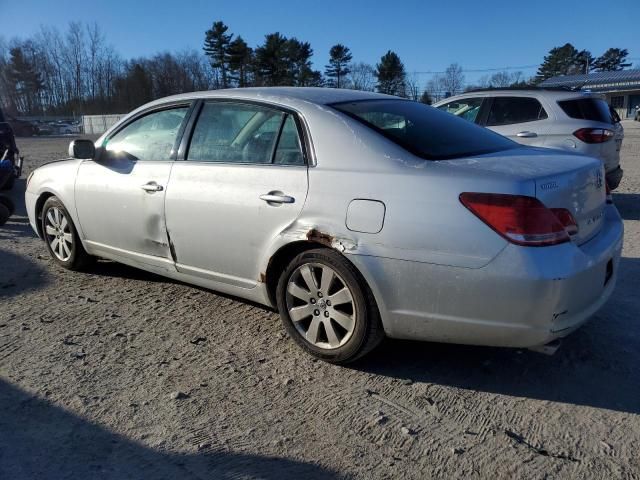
[[122, 374]]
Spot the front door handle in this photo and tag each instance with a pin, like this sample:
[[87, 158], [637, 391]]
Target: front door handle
[[152, 187], [276, 198], [526, 134]]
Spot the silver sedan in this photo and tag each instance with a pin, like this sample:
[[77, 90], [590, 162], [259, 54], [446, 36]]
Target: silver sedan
[[356, 215]]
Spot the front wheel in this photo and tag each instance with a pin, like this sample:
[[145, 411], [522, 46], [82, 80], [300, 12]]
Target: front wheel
[[61, 236], [327, 308]]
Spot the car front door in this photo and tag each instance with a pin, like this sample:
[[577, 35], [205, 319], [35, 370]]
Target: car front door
[[522, 119], [120, 195], [243, 181], [467, 108]]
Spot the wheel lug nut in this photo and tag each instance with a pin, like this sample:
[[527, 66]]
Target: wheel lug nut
[[328, 303], [319, 294], [316, 312], [313, 301], [326, 314]]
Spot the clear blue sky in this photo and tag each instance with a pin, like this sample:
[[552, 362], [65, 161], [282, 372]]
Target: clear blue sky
[[428, 37]]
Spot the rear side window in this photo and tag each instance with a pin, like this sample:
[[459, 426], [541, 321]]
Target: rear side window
[[425, 131], [595, 109], [245, 133], [510, 110]]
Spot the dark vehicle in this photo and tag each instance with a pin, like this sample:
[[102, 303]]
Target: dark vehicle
[[10, 159], [22, 128]]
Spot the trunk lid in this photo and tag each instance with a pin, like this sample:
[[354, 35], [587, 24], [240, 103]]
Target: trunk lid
[[561, 179], [582, 191]]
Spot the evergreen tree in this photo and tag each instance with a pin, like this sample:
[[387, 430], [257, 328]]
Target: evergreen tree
[[426, 98], [271, 61], [298, 57], [564, 60], [134, 88], [611, 60], [391, 74], [24, 80], [338, 68], [240, 60], [216, 47]]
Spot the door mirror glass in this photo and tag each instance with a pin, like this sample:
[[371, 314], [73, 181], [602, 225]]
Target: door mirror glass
[[82, 149]]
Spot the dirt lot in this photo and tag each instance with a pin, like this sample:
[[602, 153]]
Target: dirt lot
[[91, 365]]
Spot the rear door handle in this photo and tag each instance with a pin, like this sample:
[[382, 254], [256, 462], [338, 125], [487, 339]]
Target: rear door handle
[[276, 198], [152, 187], [526, 134]]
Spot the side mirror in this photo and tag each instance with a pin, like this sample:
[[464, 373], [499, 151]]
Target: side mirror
[[82, 149]]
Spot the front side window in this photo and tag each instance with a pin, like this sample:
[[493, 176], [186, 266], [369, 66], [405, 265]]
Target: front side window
[[151, 137], [467, 108], [510, 110], [425, 131], [235, 133]]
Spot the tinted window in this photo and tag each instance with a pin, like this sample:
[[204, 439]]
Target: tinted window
[[587, 109], [289, 150], [425, 131], [467, 108], [509, 110], [235, 133], [151, 137]]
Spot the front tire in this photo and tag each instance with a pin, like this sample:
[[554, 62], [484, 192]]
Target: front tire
[[61, 237], [327, 308]]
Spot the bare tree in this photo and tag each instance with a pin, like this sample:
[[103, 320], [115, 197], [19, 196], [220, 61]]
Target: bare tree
[[453, 79], [362, 76], [434, 88], [412, 84]]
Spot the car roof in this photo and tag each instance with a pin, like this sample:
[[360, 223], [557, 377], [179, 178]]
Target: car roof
[[550, 94], [293, 97]]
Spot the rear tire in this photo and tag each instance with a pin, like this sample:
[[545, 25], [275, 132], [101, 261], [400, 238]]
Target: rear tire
[[8, 203], [61, 237], [327, 308], [8, 185], [4, 214]]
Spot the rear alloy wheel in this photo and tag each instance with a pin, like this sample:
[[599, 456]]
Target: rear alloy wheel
[[327, 308], [61, 236]]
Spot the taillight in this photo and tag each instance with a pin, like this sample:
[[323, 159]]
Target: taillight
[[594, 135], [520, 219], [566, 219]]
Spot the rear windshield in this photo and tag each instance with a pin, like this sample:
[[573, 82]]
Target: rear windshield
[[425, 131], [595, 109]]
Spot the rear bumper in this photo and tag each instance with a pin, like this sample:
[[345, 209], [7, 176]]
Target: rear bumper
[[525, 297], [614, 177]]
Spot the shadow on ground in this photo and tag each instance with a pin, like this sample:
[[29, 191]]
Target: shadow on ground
[[628, 205], [595, 366], [41, 441], [19, 274]]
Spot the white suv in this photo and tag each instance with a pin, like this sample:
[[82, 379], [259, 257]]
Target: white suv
[[577, 121]]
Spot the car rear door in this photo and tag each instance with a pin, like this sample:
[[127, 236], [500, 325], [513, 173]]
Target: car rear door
[[120, 195], [522, 119], [242, 181]]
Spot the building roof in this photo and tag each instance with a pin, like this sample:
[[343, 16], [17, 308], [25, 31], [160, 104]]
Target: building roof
[[597, 82]]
